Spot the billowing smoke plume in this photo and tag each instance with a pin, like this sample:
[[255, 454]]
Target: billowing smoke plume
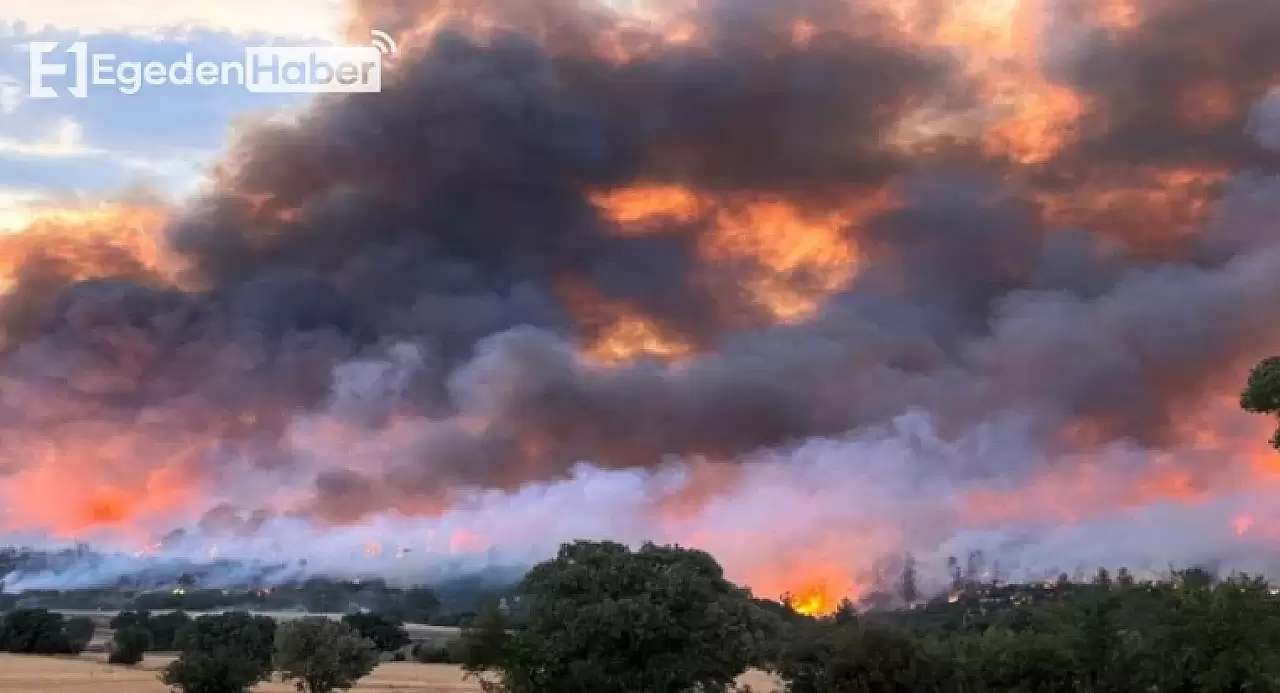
[[806, 284]]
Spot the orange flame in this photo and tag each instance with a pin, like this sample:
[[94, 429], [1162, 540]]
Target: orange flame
[[812, 600]]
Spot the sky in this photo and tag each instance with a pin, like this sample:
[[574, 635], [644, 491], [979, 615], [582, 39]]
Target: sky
[[57, 152]]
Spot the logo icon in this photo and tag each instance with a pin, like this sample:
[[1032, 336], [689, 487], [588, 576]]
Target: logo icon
[[264, 69], [383, 42]]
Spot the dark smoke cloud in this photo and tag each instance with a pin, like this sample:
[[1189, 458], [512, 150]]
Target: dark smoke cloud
[[1178, 89], [435, 221]]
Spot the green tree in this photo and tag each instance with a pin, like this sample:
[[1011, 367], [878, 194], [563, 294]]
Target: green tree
[[419, 605], [124, 619], [35, 631], [226, 653], [1002, 661], [165, 629], [80, 631], [848, 656], [600, 617], [1261, 394], [1098, 633], [484, 642], [1215, 638], [129, 645], [323, 655], [387, 634]]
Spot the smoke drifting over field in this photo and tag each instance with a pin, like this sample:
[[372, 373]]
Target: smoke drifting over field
[[805, 284]]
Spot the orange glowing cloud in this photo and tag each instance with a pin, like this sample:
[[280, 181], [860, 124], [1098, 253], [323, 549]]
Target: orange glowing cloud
[[618, 333], [104, 240]]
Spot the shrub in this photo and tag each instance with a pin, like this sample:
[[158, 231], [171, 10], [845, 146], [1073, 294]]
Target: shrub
[[80, 631], [129, 645], [438, 653]]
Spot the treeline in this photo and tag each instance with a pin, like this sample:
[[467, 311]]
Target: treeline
[[1189, 632], [602, 617], [44, 633], [605, 618], [452, 603], [226, 653], [233, 652]]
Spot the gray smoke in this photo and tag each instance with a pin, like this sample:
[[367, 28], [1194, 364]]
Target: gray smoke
[[379, 346]]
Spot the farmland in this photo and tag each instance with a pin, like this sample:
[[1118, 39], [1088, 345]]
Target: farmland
[[417, 632], [91, 674]]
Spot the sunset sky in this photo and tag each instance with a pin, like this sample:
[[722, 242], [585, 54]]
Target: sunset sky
[[58, 151]]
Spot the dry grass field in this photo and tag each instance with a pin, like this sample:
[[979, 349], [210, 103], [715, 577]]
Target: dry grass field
[[91, 674]]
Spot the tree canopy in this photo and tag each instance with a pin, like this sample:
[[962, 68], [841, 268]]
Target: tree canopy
[[323, 655], [80, 631], [600, 617], [387, 633], [163, 629], [37, 631], [129, 645], [226, 653], [1262, 392], [1187, 633]]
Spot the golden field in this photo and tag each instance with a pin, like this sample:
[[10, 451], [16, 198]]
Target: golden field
[[91, 674]]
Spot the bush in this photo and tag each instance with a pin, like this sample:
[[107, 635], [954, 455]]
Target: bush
[[129, 645], [80, 630], [438, 653], [484, 642]]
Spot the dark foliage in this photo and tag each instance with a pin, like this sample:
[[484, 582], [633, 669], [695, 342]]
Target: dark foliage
[[165, 629], [80, 631], [129, 645], [451, 652], [600, 617], [37, 631], [1187, 633], [321, 655], [227, 653], [1261, 394], [162, 628], [388, 634]]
